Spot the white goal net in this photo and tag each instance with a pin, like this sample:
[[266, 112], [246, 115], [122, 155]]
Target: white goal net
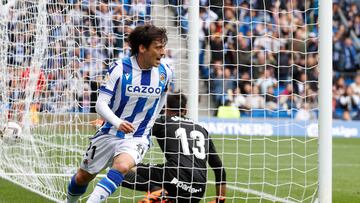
[[257, 88]]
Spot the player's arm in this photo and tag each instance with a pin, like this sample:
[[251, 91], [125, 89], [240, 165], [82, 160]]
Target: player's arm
[[106, 92], [220, 174], [103, 109]]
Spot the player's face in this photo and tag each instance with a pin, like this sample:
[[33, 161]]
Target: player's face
[[154, 53]]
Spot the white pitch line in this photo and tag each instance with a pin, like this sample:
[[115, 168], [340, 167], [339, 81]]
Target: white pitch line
[[255, 192]]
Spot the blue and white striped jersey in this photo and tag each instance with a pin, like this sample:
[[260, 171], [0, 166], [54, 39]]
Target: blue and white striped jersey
[[135, 95]]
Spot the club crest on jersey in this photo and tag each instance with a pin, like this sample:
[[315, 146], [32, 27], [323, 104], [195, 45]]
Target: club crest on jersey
[[142, 91], [162, 77]]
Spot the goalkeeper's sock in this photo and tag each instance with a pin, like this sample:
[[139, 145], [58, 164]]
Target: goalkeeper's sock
[[106, 186], [75, 191]]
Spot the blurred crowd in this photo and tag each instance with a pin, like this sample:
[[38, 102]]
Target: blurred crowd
[[263, 54], [260, 56], [83, 39]]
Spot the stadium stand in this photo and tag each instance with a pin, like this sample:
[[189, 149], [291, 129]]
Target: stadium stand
[[262, 77], [248, 67]]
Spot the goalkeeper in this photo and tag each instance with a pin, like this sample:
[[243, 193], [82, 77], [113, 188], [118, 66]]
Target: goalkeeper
[[187, 148]]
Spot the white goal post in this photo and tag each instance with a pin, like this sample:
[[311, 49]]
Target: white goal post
[[325, 99], [249, 70]]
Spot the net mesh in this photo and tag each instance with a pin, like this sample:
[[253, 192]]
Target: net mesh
[[258, 88]]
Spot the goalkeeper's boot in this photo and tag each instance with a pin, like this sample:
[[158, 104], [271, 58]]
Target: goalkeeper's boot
[[158, 196]]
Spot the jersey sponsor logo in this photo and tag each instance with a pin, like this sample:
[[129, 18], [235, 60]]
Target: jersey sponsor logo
[[184, 186], [142, 91]]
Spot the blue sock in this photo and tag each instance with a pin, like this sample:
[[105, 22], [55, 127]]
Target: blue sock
[[112, 181], [75, 189]]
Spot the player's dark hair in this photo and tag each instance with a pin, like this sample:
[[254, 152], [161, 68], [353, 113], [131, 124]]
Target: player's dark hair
[[145, 35], [176, 102]]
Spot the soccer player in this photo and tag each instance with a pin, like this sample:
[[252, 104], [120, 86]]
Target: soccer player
[[129, 100], [187, 148]]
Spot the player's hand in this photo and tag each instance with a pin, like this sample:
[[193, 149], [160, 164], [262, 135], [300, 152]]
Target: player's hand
[[218, 200], [126, 127]]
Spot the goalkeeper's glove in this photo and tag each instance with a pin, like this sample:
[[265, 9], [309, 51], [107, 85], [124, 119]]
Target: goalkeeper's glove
[[218, 200]]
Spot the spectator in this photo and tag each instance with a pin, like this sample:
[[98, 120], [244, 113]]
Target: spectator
[[286, 99], [304, 113], [266, 80], [339, 87], [271, 101], [355, 86], [217, 85], [244, 53], [349, 102], [239, 99], [356, 25], [299, 85], [350, 63], [217, 46], [244, 80], [229, 80], [255, 100]]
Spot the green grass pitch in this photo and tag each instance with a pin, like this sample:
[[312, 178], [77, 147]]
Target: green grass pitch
[[346, 167]]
